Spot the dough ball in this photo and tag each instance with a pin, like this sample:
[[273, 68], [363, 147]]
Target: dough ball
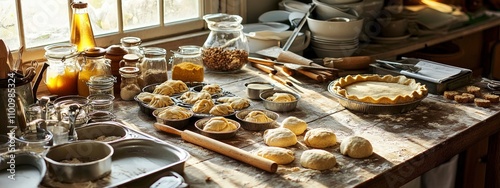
[[317, 159], [320, 138], [296, 125], [279, 155], [356, 147], [280, 137]]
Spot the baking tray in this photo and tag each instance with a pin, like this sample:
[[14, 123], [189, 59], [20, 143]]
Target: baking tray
[[29, 169], [370, 108], [139, 159], [435, 88]]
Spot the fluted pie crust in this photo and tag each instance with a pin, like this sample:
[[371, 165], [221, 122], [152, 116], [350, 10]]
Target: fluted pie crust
[[378, 89]]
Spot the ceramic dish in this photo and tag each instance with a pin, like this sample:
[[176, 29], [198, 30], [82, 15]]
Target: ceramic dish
[[370, 108], [268, 26]]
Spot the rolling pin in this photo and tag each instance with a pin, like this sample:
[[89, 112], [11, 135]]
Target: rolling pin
[[348, 63], [221, 147], [265, 68]]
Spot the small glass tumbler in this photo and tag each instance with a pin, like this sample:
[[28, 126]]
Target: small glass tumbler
[[59, 130], [101, 102]]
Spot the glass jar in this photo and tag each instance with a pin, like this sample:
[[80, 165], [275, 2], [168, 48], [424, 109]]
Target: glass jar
[[62, 108], [101, 102], [153, 67], [101, 84], [61, 76], [187, 64], [130, 60], [226, 48], [94, 64], [129, 87], [132, 45]]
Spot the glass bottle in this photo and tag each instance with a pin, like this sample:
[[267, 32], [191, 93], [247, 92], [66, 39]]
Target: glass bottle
[[61, 76], [94, 64], [153, 67], [226, 48], [129, 87], [81, 28], [187, 64]]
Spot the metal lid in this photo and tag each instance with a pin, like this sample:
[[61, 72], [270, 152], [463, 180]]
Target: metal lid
[[94, 52], [79, 4]]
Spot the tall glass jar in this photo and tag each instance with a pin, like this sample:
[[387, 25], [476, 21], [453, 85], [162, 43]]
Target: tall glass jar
[[226, 48], [129, 87], [94, 64], [187, 64], [61, 76], [132, 45], [153, 67]]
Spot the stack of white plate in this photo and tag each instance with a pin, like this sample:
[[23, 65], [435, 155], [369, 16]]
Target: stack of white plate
[[326, 47]]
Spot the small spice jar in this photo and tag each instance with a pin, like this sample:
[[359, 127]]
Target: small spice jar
[[187, 64], [129, 86], [102, 84], [130, 60]]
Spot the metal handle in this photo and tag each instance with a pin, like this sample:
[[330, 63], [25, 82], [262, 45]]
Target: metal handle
[[297, 29]]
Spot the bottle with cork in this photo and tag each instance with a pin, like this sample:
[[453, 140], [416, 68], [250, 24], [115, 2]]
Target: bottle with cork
[[81, 29]]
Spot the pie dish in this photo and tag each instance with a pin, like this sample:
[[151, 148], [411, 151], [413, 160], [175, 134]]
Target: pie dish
[[376, 89]]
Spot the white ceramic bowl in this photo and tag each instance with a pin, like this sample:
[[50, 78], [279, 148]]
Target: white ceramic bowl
[[266, 39], [333, 2], [320, 52], [324, 11], [335, 30], [296, 6], [274, 16]]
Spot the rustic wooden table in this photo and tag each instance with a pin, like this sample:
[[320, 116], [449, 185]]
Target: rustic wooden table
[[405, 145]]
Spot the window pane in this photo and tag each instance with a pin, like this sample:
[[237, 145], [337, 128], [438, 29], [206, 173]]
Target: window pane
[[140, 13], [45, 22], [104, 16], [8, 24], [178, 10]]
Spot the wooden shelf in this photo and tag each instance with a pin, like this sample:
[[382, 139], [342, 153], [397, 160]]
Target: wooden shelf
[[385, 51]]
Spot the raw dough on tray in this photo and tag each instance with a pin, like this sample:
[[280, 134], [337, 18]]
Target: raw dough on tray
[[317, 159], [280, 137]]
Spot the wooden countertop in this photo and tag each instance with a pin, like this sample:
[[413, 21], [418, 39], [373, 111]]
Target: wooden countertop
[[405, 145]]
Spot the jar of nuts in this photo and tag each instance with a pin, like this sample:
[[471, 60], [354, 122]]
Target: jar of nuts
[[226, 48]]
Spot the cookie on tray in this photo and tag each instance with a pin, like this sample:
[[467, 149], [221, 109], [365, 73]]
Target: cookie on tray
[[476, 91], [470, 96], [461, 98], [482, 102], [491, 97], [450, 94]]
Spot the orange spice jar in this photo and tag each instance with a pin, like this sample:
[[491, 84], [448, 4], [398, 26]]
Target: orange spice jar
[[187, 64]]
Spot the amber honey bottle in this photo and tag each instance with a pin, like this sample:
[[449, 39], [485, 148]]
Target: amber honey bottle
[[81, 29]]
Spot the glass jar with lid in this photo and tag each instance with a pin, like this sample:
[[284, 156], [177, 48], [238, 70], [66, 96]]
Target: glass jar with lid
[[153, 67], [101, 84], [187, 64], [132, 45], [129, 87], [226, 48], [130, 60], [61, 76], [94, 64]]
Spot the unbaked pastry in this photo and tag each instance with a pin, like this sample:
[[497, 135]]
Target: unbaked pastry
[[317, 159], [279, 155], [191, 97], [240, 103], [257, 117], [178, 85], [203, 106], [379, 90], [164, 90], [227, 99], [320, 138], [175, 113], [356, 147], [159, 101], [212, 89], [296, 125], [282, 97], [219, 124], [145, 97], [221, 110], [279, 137]]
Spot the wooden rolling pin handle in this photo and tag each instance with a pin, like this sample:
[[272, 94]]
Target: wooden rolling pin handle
[[167, 129], [230, 151], [265, 69], [261, 61], [349, 63], [290, 57], [284, 82], [287, 70], [311, 75]]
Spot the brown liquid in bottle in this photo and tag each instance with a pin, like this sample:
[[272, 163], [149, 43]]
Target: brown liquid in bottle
[[81, 29]]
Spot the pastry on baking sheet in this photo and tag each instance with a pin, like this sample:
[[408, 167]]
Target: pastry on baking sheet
[[203, 106], [219, 124], [212, 88], [159, 101], [221, 110], [174, 113], [378, 89], [191, 97], [178, 85]]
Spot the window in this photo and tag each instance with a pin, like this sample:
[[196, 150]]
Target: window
[[35, 23]]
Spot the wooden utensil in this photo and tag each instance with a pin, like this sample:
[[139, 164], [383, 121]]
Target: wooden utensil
[[348, 63], [289, 65], [221, 147], [4, 56]]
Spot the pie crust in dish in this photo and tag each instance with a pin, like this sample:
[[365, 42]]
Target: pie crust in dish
[[378, 89]]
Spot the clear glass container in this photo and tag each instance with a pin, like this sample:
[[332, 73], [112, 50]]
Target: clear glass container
[[81, 29], [129, 87], [130, 60], [187, 64], [101, 84], [94, 64], [226, 48], [153, 67], [61, 76], [100, 116], [62, 104], [101, 102], [132, 45]]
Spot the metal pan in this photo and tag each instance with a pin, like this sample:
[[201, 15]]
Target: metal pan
[[27, 168]]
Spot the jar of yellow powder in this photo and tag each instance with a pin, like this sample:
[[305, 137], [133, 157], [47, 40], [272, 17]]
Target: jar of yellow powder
[[187, 64]]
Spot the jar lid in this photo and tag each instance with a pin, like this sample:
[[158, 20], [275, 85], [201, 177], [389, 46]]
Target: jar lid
[[154, 51], [101, 80], [94, 52], [58, 51], [131, 57], [130, 41], [79, 4], [116, 50], [128, 70]]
